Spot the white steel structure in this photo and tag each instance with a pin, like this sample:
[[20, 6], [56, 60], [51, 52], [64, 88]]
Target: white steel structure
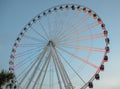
[[63, 47]]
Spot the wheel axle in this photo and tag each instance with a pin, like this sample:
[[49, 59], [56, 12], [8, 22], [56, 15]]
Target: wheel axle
[[51, 43]]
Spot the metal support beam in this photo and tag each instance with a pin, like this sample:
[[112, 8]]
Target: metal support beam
[[36, 68], [63, 73]]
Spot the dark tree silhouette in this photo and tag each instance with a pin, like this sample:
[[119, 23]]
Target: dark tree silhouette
[[6, 78]]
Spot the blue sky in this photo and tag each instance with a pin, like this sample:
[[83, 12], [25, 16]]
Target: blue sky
[[14, 14]]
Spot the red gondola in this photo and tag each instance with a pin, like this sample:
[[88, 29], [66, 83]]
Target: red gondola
[[102, 67], [105, 58]]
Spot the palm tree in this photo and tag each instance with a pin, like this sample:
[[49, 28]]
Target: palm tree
[[5, 78]]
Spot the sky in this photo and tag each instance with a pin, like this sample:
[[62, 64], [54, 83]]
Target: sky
[[14, 14]]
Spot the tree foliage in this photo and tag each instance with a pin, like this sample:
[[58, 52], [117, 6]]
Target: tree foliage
[[5, 77]]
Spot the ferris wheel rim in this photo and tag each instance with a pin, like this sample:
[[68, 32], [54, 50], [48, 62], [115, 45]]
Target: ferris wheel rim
[[46, 12]]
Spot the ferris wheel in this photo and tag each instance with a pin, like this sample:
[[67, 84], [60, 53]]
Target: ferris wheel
[[63, 47]]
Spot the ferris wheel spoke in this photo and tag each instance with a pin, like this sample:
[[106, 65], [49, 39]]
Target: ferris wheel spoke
[[69, 22], [82, 20], [32, 38], [87, 27], [77, 57], [64, 75], [69, 27], [72, 68], [49, 25], [52, 25], [59, 25], [88, 48], [41, 84], [37, 66], [78, 32], [39, 34], [26, 52], [73, 17], [64, 35], [67, 37], [67, 41], [57, 73], [89, 37], [55, 25], [46, 63], [51, 74], [58, 68], [73, 28], [65, 14], [44, 30], [27, 72], [21, 74], [37, 59], [23, 62], [85, 38], [32, 45], [58, 32], [69, 83], [61, 30]]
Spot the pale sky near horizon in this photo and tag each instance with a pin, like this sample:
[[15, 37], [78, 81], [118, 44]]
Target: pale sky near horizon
[[15, 14]]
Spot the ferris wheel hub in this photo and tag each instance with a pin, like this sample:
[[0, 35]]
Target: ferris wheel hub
[[51, 43]]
